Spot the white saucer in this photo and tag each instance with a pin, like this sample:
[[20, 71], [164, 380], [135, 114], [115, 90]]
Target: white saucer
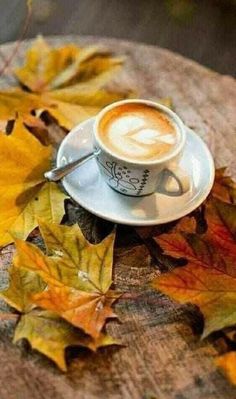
[[86, 186]]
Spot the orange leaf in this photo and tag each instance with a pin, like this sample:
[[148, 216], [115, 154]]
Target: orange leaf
[[86, 310], [227, 363], [78, 275], [209, 278], [224, 187]]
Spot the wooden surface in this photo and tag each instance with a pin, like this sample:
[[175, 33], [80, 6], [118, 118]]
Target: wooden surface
[[163, 357]]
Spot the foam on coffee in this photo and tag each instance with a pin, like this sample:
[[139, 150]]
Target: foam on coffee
[[138, 132]]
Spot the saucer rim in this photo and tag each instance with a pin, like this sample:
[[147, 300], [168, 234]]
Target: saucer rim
[[142, 222]]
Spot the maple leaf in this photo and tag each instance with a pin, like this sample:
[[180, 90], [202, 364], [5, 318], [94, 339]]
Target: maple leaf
[[227, 362], [209, 278], [23, 284], [224, 187], [78, 275], [51, 335], [48, 68], [18, 103], [44, 330], [25, 195], [70, 80]]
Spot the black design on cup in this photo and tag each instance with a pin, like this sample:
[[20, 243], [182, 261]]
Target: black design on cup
[[120, 177], [143, 181]]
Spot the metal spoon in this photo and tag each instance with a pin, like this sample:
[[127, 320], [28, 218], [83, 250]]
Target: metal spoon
[[57, 174]]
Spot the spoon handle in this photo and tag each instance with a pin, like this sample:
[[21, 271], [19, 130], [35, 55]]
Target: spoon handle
[[57, 174]]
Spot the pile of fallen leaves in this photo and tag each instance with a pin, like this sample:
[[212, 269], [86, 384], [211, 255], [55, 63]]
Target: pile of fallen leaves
[[63, 297], [208, 280]]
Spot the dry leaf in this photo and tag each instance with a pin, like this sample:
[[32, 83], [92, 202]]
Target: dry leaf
[[227, 363], [209, 278], [48, 68], [23, 284], [224, 187], [32, 272], [51, 335], [18, 103], [70, 80], [78, 275], [25, 195]]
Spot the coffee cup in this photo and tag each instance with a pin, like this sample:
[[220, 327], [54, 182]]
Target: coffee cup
[[142, 163]]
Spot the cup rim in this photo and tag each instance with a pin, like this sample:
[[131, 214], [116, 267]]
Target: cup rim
[[181, 131]]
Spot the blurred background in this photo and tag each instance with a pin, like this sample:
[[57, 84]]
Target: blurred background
[[204, 30]]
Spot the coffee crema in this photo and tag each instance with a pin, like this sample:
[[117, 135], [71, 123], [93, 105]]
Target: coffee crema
[[137, 132]]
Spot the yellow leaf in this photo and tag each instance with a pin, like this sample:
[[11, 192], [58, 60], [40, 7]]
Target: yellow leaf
[[23, 284], [68, 114], [78, 274], [87, 97], [24, 193], [70, 81], [51, 335], [15, 102], [227, 363], [49, 68]]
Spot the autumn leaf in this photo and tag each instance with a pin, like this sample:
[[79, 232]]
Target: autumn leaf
[[227, 362], [48, 68], [51, 335], [70, 80], [44, 330], [209, 278], [224, 187], [78, 275], [73, 263], [23, 284], [25, 195], [16, 103]]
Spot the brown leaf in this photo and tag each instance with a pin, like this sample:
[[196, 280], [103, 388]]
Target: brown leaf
[[224, 187]]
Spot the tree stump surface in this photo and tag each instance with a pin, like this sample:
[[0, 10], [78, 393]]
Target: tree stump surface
[[163, 356]]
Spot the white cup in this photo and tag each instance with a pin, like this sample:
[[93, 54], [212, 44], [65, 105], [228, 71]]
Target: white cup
[[143, 177]]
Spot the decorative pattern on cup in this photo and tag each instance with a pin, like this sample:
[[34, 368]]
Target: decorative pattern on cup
[[143, 182], [121, 179]]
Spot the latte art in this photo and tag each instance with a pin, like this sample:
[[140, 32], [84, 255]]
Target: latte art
[[138, 132]]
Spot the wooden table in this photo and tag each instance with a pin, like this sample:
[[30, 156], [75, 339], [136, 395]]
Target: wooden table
[[163, 357]]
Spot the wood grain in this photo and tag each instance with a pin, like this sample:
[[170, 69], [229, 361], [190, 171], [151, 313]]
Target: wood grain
[[163, 357]]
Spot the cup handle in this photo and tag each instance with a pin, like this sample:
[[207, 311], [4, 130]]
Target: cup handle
[[181, 178]]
